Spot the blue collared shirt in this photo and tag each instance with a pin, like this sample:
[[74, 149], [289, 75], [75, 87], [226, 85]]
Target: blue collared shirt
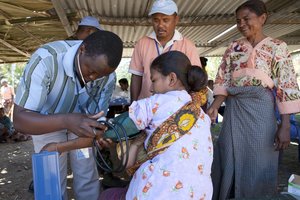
[[49, 84]]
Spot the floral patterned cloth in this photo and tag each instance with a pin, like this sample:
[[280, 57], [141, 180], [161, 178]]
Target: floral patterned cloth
[[183, 170], [268, 64]]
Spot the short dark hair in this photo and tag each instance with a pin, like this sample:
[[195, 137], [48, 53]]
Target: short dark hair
[[203, 61], [192, 77], [256, 6], [210, 81], [83, 27], [105, 43], [123, 81]]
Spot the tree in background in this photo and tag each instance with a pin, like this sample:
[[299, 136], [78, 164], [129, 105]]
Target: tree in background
[[12, 72], [212, 66], [122, 70]]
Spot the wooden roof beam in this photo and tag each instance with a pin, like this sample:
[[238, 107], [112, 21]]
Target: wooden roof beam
[[15, 61], [63, 17], [7, 17], [14, 48], [186, 21]]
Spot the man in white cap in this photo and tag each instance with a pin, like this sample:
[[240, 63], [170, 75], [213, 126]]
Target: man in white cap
[[164, 38], [87, 26]]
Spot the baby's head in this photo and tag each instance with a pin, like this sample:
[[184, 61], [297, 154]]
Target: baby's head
[[173, 71]]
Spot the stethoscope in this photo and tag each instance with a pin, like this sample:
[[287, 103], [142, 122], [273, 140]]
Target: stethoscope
[[121, 138], [110, 123]]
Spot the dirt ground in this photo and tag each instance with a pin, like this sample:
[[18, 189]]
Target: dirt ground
[[16, 174], [15, 170]]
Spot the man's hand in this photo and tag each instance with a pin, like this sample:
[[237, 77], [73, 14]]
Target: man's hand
[[84, 125]]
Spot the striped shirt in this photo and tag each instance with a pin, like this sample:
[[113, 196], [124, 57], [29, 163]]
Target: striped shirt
[[49, 84]]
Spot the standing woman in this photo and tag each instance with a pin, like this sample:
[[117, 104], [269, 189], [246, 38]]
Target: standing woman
[[246, 155]]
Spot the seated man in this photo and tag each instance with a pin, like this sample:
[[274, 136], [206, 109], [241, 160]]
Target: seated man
[[120, 99], [122, 90]]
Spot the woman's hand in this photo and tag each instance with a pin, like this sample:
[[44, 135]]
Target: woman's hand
[[282, 137], [213, 114], [212, 111], [50, 147], [105, 143]]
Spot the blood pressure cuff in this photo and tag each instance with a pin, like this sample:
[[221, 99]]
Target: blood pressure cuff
[[120, 124]]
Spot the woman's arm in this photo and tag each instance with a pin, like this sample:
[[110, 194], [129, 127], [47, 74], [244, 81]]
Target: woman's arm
[[61, 147], [134, 149], [213, 109]]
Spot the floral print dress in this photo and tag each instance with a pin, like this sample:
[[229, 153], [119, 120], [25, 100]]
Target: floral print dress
[[183, 170], [268, 64]]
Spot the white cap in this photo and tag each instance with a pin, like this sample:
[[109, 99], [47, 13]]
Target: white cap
[[90, 21], [4, 81], [167, 7]]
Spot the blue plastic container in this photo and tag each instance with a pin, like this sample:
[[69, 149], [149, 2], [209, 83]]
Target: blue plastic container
[[46, 176]]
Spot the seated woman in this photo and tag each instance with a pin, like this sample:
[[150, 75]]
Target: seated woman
[[178, 142]]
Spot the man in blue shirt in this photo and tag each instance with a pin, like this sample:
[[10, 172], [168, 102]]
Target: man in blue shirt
[[64, 86]]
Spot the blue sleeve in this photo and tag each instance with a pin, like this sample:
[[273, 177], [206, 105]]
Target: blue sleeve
[[107, 93]]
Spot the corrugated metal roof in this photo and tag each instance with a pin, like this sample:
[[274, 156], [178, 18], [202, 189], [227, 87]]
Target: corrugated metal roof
[[26, 24]]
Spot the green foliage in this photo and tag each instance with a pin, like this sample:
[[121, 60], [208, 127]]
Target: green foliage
[[122, 70], [212, 66], [12, 72]]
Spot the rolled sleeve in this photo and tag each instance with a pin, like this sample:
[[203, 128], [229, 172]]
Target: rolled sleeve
[[136, 64], [34, 84]]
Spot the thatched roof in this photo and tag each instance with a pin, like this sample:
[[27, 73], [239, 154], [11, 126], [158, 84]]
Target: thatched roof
[[26, 24]]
